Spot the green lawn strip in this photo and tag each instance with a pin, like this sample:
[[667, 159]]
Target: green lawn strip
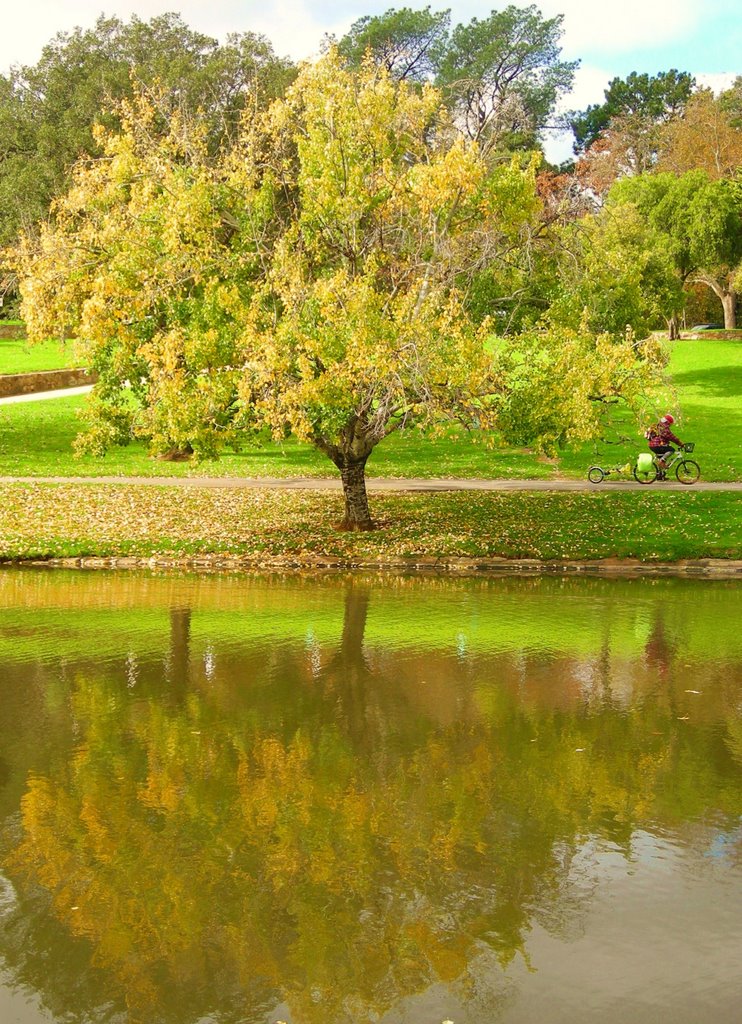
[[39, 521], [36, 439], [707, 377], [18, 356]]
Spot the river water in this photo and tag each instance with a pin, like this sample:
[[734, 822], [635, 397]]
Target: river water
[[335, 800]]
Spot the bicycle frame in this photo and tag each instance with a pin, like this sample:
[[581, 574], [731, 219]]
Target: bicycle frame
[[665, 467], [687, 470]]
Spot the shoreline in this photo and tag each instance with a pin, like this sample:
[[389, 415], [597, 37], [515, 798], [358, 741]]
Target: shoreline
[[713, 568], [133, 527]]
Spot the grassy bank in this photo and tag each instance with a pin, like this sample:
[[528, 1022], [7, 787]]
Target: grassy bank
[[18, 356], [36, 440], [39, 521]]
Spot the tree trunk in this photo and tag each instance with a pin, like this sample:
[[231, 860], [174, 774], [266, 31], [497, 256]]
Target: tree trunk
[[729, 302], [176, 454], [353, 475], [673, 332], [726, 295], [357, 441], [354, 625], [348, 672]]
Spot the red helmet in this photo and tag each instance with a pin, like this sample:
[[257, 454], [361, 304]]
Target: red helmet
[[668, 418]]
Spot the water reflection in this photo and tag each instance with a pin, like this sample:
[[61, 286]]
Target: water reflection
[[250, 800]]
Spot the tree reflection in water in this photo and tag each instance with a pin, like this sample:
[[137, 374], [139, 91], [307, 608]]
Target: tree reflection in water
[[339, 827]]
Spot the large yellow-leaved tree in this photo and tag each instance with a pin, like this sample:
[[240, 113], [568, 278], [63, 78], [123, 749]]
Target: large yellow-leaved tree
[[312, 280]]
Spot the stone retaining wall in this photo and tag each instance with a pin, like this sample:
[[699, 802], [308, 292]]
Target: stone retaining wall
[[45, 380], [710, 568], [12, 332], [711, 335]]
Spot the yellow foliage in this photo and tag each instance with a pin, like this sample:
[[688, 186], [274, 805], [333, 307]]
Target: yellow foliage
[[313, 279]]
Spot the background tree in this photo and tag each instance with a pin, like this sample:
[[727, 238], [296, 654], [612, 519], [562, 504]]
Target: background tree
[[643, 99], [47, 111], [503, 75], [707, 137], [137, 265], [408, 43], [731, 101], [701, 220], [616, 272], [627, 147], [623, 136]]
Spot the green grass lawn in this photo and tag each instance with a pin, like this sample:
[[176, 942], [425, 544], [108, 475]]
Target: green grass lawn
[[707, 378], [36, 438], [18, 356]]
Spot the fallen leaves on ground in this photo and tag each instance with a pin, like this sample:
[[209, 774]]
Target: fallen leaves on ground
[[57, 520]]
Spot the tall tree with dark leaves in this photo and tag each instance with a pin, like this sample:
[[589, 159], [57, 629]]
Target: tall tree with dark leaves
[[47, 111], [701, 220], [503, 75], [409, 44], [651, 99]]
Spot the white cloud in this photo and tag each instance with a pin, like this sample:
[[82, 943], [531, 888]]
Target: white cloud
[[589, 87], [558, 146], [716, 82], [628, 25], [296, 27]]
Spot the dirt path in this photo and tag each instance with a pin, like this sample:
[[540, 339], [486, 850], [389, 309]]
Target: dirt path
[[305, 483]]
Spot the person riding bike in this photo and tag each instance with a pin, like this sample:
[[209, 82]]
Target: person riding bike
[[659, 437]]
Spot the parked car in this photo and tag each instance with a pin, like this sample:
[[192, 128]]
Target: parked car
[[708, 327]]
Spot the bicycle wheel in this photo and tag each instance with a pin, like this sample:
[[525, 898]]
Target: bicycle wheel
[[646, 476], [687, 471], [595, 475]]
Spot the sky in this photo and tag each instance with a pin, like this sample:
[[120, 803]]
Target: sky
[[609, 39]]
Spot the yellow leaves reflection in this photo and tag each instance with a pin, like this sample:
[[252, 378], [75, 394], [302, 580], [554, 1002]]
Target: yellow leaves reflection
[[341, 832]]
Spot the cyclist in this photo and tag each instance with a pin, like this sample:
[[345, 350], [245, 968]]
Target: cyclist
[[660, 437]]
